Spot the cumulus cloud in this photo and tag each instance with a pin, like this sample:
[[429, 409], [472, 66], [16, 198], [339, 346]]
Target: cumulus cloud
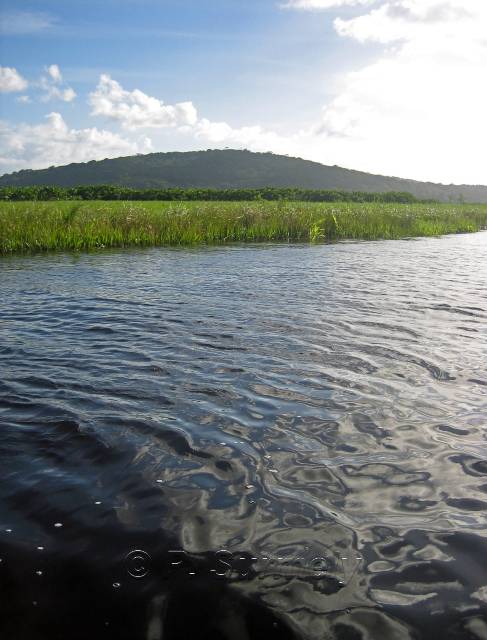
[[412, 20], [54, 143], [322, 5], [55, 73], [418, 109], [11, 80], [55, 93], [255, 138], [52, 86], [136, 110]]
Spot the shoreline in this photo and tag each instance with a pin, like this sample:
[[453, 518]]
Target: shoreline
[[39, 227]]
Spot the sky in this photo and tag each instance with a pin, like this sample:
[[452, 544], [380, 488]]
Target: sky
[[394, 87]]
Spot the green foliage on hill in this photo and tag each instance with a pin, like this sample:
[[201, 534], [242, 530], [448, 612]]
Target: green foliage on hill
[[230, 169], [110, 192]]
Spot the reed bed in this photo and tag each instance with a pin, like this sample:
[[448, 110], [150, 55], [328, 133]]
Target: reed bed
[[79, 226]]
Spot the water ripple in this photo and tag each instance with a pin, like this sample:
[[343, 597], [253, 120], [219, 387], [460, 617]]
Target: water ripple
[[278, 404]]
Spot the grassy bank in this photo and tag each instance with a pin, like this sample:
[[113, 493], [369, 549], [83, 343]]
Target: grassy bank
[[45, 226]]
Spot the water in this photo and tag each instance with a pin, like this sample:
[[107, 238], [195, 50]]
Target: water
[[260, 441]]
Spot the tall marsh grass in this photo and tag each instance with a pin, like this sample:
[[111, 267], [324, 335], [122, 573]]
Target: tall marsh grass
[[46, 226]]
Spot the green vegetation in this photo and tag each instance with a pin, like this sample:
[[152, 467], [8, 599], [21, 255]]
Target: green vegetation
[[231, 169], [45, 226], [111, 192]]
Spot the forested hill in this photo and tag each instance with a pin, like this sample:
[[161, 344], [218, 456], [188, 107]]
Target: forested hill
[[227, 169]]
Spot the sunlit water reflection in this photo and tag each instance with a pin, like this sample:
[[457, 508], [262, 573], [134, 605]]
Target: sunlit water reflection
[[317, 412]]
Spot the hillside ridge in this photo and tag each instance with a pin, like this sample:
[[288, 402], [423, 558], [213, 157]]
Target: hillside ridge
[[228, 168]]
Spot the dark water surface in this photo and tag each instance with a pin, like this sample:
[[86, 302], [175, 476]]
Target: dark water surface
[[307, 424]]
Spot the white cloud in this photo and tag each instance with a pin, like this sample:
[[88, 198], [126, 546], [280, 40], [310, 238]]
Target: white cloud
[[54, 143], [24, 99], [55, 73], [51, 84], [416, 111], [24, 22], [322, 5], [55, 93], [252, 137], [419, 109], [136, 110], [11, 80], [412, 20]]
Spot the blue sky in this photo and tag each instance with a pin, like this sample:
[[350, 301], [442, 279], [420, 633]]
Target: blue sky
[[339, 81], [227, 56]]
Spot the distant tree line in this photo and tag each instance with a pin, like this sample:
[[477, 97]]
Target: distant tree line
[[110, 192]]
